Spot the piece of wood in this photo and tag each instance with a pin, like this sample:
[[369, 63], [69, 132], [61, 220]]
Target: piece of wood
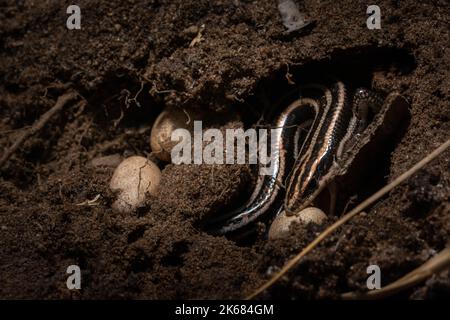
[[38, 125]]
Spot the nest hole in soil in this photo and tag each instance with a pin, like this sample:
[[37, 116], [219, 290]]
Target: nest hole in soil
[[356, 68], [125, 101]]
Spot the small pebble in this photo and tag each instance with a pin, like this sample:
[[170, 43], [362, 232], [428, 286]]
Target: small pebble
[[111, 161], [192, 30], [280, 226], [133, 179], [292, 18]]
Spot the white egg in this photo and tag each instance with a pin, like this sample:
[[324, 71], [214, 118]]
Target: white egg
[[133, 179], [280, 226], [160, 137]]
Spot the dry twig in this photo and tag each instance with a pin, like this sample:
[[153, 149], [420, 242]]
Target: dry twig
[[436, 264], [38, 125]]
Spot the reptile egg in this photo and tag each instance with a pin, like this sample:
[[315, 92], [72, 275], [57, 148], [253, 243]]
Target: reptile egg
[[160, 138], [133, 179], [280, 226]]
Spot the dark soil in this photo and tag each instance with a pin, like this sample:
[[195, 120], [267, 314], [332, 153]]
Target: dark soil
[[133, 58]]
